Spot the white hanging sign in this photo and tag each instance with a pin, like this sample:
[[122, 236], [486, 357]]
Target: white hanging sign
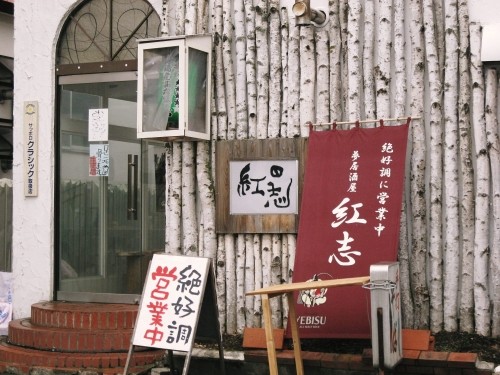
[[98, 125]]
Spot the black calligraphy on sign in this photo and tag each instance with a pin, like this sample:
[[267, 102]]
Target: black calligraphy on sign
[[264, 187]]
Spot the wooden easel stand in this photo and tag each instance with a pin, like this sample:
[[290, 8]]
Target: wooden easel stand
[[276, 290]]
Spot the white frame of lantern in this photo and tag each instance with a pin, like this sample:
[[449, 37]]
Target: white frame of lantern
[[184, 43]]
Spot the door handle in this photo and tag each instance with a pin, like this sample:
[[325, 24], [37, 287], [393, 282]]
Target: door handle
[[132, 187]]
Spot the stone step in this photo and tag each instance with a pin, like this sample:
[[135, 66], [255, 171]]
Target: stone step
[[81, 316], [23, 333], [16, 359]]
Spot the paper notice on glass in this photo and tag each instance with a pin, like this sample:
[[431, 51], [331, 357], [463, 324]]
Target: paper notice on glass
[[99, 160], [98, 124]]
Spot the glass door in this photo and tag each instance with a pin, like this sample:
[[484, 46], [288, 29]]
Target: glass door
[[111, 185]]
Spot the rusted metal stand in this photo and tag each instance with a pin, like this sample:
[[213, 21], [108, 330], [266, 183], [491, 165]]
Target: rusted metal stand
[[276, 290]]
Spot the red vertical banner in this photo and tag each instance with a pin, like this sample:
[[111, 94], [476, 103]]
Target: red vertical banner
[[349, 220]]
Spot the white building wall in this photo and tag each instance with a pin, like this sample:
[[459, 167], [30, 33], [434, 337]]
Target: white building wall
[[37, 26]]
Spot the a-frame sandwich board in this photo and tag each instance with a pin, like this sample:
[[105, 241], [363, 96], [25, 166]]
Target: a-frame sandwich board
[[177, 291]]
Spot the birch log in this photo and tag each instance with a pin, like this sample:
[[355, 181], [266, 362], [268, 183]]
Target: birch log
[[220, 96], [221, 284], [417, 172], [436, 165], [354, 60], [207, 234], [231, 295], [274, 70], [288, 273], [189, 220], [466, 309], [343, 16], [188, 191], [451, 256], [322, 74], [241, 74], [249, 279], [240, 283], [251, 68], [202, 17], [492, 138], [168, 186], [481, 243], [233, 278], [220, 86], [174, 202], [266, 254], [164, 18], [440, 32], [190, 17], [262, 64], [275, 83], [257, 252], [227, 59], [307, 78], [368, 68], [335, 62], [284, 277], [207, 201], [285, 24], [293, 83], [180, 17], [383, 65], [287, 239], [245, 259], [275, 271], [399, 98]]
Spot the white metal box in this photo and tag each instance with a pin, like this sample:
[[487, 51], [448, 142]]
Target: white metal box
[[386, 322]]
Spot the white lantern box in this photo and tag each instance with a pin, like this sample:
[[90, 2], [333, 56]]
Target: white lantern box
[[174, 88]]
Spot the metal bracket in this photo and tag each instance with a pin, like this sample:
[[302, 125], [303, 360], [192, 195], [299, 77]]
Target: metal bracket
[[380, 284]]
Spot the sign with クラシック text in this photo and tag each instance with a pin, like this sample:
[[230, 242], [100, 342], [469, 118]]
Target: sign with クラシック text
[[350, 211], [263, 187], [30, 149], [171, 301]]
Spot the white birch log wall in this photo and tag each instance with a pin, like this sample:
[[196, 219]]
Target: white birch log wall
[[270, 77]]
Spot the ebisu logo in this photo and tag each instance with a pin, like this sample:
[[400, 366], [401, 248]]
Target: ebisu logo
[[314, 296], [311, 298], [311, 321]]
